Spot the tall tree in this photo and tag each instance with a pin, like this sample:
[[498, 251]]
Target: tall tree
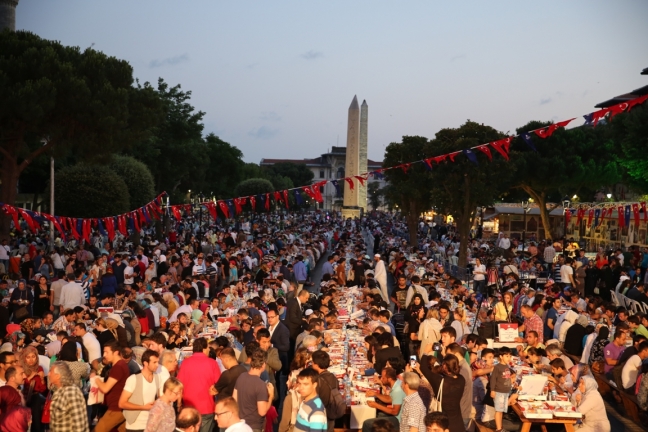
[[565, 163], [57, 99], [176, 154], [138, 179], [374, 193], [225, 169], [253, 186], [409, 188], [299, 174], [457, 188]]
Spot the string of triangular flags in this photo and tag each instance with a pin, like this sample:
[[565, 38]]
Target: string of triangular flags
[[262, 202], [81, 228], [597, 212]]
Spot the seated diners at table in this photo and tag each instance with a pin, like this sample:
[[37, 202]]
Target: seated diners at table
[[590, 403], [388, 401], [532, 342]]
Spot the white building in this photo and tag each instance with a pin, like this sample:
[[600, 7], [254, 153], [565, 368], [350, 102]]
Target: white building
[[330, 166]]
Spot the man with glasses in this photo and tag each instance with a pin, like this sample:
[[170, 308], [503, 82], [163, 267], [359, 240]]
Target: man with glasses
[[7, 360], [227, 416], [280, 339]]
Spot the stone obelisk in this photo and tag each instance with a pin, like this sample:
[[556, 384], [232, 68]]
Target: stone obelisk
[[8, 14], [364, 124], [351, 206]]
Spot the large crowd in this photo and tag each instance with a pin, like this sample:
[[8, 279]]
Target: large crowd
[[228, 324]]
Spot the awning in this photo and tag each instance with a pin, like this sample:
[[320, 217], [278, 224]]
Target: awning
[[495, 211]]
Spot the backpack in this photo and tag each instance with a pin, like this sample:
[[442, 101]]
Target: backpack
[[336, 406]]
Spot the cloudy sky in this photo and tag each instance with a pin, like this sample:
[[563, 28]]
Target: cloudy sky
[[275, 78]]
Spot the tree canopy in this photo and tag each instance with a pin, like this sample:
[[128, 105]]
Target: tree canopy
[[253, 186], [57, 99], [299, 174], [627, 134], [138, 179]]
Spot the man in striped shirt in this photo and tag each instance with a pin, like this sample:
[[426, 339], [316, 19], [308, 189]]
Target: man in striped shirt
[[312, 414]]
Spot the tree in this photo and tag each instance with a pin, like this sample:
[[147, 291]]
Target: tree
[[374, 193], [57, 99], [225, 169], [138, 179], [176, 154], [409, 189], [299, 174], [87, 191], [628, 135], [566, 163], [253, 186], [458, 187]]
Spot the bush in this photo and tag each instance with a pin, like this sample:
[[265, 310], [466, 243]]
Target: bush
[[138, 178], [253, 186], [87, 191]]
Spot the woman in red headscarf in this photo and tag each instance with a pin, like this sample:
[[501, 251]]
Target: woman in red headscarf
[[14, 417]]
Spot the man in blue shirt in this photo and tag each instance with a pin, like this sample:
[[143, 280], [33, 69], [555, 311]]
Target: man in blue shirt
[[327, 268], [300, 271], [552, 317]]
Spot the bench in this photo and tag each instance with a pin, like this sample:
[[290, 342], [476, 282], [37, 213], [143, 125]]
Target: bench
[[482, 427], [604, 386], [631, 406]]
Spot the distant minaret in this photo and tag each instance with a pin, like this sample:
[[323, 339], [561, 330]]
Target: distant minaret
[[364, 119], [8, 14], [351, 207]]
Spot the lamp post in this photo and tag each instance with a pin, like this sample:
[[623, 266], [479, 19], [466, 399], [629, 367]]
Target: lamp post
[[480, 233], [525, 209], [566, 203]]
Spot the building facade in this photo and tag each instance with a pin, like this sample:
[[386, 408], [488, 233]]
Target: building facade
[[330, 166]]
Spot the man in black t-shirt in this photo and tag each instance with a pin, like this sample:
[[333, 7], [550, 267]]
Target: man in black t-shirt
[[225, 385], [399, 296]]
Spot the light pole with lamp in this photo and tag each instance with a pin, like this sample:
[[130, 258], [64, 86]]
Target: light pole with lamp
[[566, 203], [525, 209]]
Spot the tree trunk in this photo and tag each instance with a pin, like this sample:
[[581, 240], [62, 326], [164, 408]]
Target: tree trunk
[[412, 223], [8, 191], [541, 199]]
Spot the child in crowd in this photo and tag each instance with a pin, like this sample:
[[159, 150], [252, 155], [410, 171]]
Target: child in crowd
[[500, 385]]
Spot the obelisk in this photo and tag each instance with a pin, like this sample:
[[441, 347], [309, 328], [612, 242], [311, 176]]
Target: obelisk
[[8, 14], [364, 124], [351, 206]]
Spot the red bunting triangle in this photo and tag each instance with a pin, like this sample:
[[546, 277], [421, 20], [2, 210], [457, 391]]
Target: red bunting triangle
[[224, 208], [499, 148], [350, 181], [362, 179], [484, 149], [253, 203], [453, 155], [285, 196], [637, 101]]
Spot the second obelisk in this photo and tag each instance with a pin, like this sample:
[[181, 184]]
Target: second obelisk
[[351, 206]]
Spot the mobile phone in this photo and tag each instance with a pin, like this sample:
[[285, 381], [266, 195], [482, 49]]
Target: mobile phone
[[413, 361], [436, 347]]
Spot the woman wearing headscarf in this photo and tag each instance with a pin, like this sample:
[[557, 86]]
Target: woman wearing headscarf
[[70, 355], [570, 319], [598, 348], [21, 297], [415, 315], [27, 326], [577, 372], [41, 296], [590, 403], [575, 335], [14, 417]]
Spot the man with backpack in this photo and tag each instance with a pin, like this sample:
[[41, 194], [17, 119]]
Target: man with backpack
[[140, 392], [327, 388]]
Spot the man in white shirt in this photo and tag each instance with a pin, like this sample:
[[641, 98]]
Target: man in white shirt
[[549, 253], [567, 273], [632, 368], [140, 392], [90, 343], [186, 309], [504, 242], [227, 415], [72, 292], [380, 274], [129, 272]]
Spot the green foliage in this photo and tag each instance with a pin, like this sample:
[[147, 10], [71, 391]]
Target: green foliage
[[568, 162], [457, 188], [299, 174], [628, 134], [253, 186], [138, 179], [410, 190], [225, 169], [90, 191], [176, 154], [79, 101], [280, 182]]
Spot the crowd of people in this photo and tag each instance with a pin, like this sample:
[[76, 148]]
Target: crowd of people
[[228, 325]]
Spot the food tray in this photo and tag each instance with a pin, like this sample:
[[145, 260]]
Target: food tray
[[535, 410], [563, 409]]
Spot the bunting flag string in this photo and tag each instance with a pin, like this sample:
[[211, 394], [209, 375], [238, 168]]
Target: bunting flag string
[[234, 206], [598, 211]]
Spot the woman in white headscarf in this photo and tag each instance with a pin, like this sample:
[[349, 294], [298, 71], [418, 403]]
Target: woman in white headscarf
[[590, 403]]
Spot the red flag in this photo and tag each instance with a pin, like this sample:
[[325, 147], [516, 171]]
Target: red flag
[[350, 181], [549, 130], [567, 216], [28, 219], [590, 217], [237, 206], [176, 212], [11, 210], [253, 203], [152, 210], [156, 206], [643, 209], [136, 222], [617, 109], [187, 209], [439, 159], [404, 167], [621, 212], [579, 215], [211, 207], [596, 116], [428, 162], [635, 210], [73, 228], [87, 228], [484, 149], [637, 101], [277, 197], [308, 191], [109, 223], [267, 201], [453, 155], [286, 201], [53, 220], [224, 208], [318, 192], [499, 148], [362, 179]]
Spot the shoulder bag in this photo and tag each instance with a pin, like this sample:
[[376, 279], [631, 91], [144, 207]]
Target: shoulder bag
[[437, 400]]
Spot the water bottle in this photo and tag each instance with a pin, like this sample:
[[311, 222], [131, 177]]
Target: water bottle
[[554, 394]]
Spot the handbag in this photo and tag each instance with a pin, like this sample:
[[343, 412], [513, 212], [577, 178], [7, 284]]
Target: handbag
[[45, 417], [436, 402], [21, 313]]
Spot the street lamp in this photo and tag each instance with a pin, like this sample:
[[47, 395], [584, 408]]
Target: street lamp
[[525, 209], [609, 196], [566, 203]]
